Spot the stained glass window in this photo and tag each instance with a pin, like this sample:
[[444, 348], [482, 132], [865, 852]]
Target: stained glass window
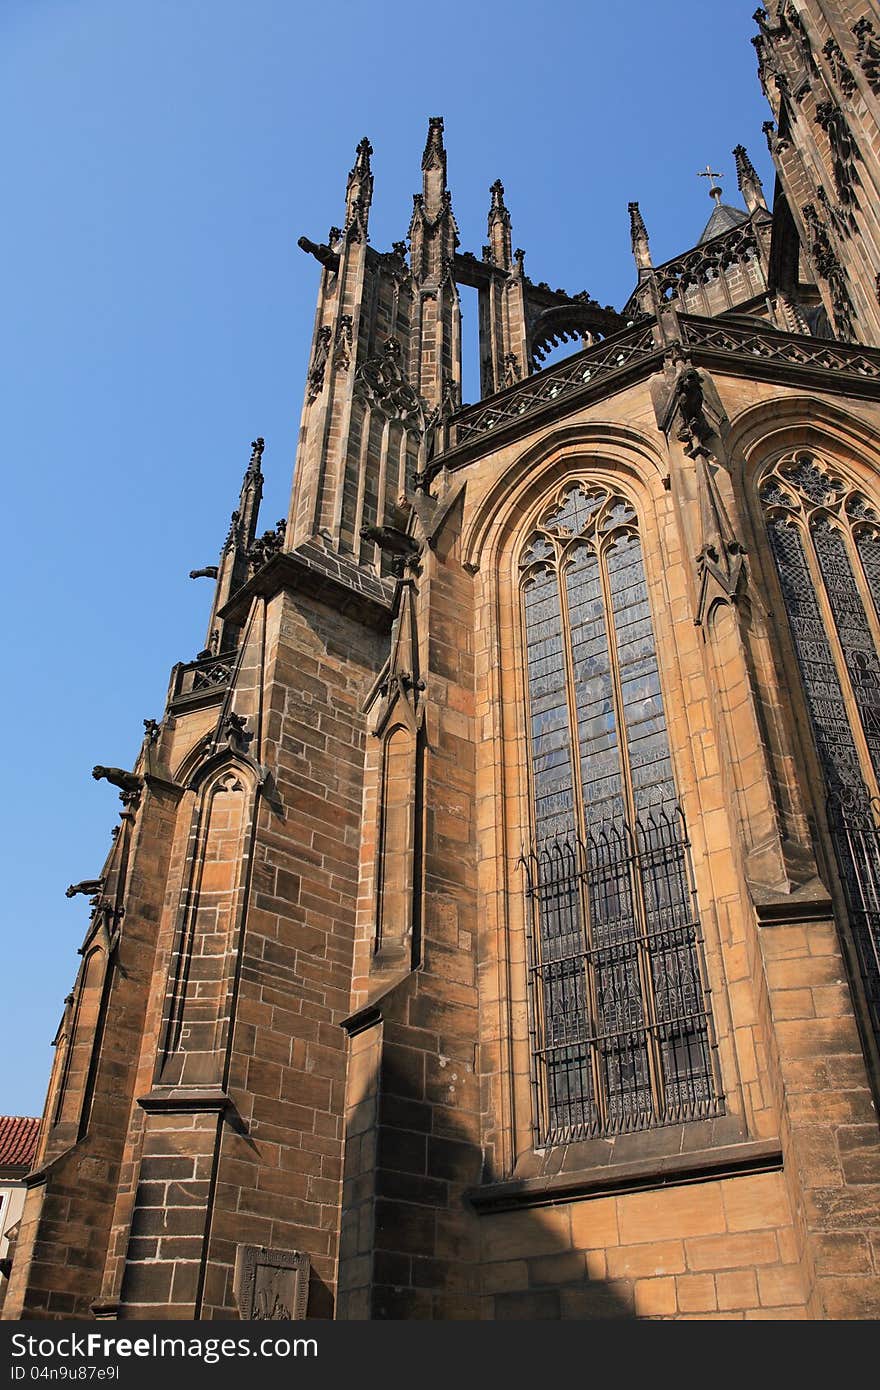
[[621, 1030], [825, 539]]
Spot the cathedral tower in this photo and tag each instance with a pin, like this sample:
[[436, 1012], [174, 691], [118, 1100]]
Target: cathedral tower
[[491, 929]]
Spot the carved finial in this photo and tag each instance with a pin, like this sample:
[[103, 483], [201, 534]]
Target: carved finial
[[358, 194], [747, 179], [639, 238], [499, 248], [257, 447], [434, 153]]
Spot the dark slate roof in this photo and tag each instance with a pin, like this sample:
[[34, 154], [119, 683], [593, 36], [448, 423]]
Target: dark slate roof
[[18, 1140], [724, 218]]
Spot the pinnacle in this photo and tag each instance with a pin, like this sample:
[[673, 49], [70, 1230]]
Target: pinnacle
[[636, 221], [497, 195], [257, 447], [434, 151], [744, 166]]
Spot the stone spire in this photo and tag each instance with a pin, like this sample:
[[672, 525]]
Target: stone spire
[[251, 494], [747, 178], [434, 168], [232, 571], [436, 361], [500, 243], [433, 232], [639, 238], [359, 190]]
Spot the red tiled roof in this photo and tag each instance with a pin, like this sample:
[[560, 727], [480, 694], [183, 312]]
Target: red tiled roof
[[18, 1140]]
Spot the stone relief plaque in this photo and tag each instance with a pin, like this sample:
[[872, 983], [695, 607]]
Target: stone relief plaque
[[271, 1285]]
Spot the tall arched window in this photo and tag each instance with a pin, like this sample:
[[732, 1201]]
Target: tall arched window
[[825, 539], [620, 1028]]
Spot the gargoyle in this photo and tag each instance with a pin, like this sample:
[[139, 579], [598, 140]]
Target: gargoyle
[[403, 549], [321, 252], [117, 777], [89, 886], [233, 731], [209, 572]]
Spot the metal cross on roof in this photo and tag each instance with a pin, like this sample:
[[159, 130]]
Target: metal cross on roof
[[710, 173]]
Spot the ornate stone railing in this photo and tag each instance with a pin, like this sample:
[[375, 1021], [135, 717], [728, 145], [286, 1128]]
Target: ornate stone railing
[[850, 359], [203, 679], [615, 355], [699, 266], [584, 368]]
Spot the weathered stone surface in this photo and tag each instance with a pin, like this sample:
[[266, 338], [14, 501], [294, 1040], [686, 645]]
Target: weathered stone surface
[[305, 1017]]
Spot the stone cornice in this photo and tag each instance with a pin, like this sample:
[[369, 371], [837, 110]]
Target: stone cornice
[[313, 570], [706, 1165], [185, 1102]]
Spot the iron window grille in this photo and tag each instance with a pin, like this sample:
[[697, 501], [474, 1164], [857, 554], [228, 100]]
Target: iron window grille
[[825, 540], [620, 1028]]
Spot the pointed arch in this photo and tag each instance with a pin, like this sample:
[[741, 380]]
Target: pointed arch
[[822, 520], [621, 1031], [83, 1024], [202, 972], [791, 421], [624, 452]]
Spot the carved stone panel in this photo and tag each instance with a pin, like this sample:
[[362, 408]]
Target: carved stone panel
[[271, 1285]]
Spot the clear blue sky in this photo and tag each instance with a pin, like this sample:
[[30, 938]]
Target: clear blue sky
[[161, 159]]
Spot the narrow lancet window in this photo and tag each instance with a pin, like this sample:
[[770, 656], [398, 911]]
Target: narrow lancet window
[[620, 1027], [825, 539]]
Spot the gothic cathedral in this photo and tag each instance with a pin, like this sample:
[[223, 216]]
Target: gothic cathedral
[[492, 929]]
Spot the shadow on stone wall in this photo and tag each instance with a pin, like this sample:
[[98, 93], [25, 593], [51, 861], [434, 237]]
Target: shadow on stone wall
[[430, 1254]]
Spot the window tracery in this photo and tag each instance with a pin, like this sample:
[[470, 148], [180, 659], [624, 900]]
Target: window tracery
[[620, 1028], [825, 538]]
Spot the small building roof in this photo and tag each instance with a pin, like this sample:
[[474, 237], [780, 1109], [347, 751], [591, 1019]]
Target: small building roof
[[18, 1140], [724, 218]]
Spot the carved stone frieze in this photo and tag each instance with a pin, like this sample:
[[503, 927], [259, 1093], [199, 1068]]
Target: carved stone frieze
[[832, 272], [269, 544], [342, 347], [868, 52], [271, 1285], [319, 362], [841, 72], [512, 369], [843, 148], [382, 384]]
